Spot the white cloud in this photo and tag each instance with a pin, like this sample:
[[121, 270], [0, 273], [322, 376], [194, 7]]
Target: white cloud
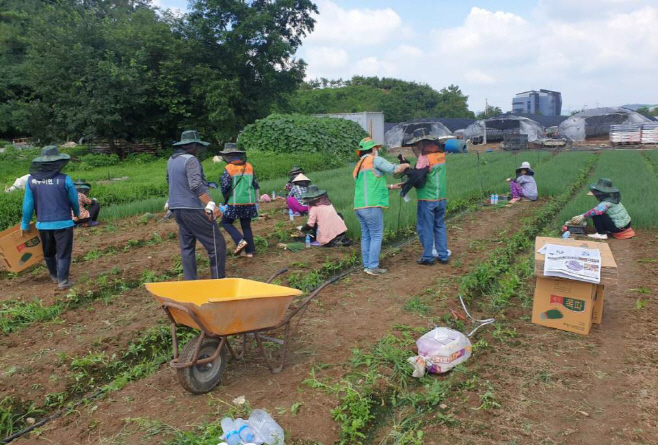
[[603, 51], [336, 25]]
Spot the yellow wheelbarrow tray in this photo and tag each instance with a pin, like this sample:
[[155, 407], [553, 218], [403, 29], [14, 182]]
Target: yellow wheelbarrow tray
[[222, 308]]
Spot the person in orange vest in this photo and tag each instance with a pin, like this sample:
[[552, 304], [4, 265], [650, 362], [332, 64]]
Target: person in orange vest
[[370, 200], [241, 194], [430, 223]]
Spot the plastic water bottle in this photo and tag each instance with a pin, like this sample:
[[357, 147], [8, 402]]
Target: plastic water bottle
[[231, 436], [244, 430], [273, 194], [265, 427], [566, 235], [496, 198], [308, 241], [291, 215], [491, 199]]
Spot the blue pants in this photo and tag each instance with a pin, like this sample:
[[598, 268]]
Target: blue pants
[[372, 233], [431, 228]]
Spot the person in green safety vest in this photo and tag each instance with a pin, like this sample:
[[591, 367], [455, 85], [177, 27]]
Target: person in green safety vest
[[370, 200], [430, 223], [610, 215]]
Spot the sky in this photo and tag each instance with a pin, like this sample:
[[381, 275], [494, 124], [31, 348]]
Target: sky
[[595, 52]]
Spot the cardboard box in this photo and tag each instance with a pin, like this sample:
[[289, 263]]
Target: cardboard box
[[564, 304], [597, 311], [17, 252], [608, 264]]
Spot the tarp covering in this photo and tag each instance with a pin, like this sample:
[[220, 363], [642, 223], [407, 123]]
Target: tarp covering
[[395, 136], [499, 126], [597, 121]]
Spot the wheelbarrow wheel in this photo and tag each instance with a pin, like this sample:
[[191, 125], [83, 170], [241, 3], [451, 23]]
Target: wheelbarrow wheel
[[200, 379]]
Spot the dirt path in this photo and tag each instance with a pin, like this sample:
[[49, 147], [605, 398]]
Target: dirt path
[[354, 313], [556, 387]]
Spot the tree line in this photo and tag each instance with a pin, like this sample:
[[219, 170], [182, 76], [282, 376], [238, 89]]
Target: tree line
[[124, 69]]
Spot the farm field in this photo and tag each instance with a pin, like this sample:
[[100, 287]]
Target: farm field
[[346, 379]]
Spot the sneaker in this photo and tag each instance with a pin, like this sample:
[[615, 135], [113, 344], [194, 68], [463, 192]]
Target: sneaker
[[425, 262], [440, 261], [65, 284], [375, 271], [241, 245], [514, 200], [92, 224], [54, 279], [598, 236]]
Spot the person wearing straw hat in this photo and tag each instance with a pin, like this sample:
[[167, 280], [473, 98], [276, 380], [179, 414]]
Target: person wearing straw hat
[[241, 194], [430, 223], [370, 200], [52, 195], [292, 174], [89, 208], [294, 199], [324, 223], [524, 185], [193, 208], [609, 216]]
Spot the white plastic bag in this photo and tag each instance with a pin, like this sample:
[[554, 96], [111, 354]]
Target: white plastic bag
[[441, 349]]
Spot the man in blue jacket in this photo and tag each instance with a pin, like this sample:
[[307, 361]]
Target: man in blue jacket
[[53, 196]]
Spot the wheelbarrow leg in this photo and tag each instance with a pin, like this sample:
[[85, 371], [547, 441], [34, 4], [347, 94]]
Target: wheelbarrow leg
[[284, 350]]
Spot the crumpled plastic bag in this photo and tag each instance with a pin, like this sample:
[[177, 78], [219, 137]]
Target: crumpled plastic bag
[[439, 351], [265, 198]]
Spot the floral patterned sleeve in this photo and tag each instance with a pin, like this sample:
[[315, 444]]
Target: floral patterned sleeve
[[598, 210], [225, 183]]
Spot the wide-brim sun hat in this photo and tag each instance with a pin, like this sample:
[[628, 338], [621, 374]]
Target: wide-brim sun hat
[[420, 134], [51, 154], [368, 143], [190, 137], [231, 148], [603, 185], [301, 178], [526, 166], [81, 184], [295, 170], [313, 192]]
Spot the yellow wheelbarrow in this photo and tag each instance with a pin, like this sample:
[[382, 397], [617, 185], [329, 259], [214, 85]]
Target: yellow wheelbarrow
[[219, 309]]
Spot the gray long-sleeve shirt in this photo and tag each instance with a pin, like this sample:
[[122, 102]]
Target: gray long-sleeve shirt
[[529, 186]]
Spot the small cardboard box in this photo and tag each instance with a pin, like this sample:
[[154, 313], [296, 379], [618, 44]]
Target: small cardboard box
[[564, 304], [608, 264], [17, 252], [597, 311]]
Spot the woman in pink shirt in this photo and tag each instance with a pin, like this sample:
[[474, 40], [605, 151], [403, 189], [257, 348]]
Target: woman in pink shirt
[[324, 223]]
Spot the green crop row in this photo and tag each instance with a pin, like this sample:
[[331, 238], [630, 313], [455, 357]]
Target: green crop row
[[636, 180]]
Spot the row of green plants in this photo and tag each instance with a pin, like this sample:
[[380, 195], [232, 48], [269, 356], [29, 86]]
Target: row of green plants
[[636, 180], [141, 177]]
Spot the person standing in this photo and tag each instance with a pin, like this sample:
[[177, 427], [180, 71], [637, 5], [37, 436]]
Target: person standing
[[241, 193], [430, 223], [194, 210], [89, 208], [52, 194], [370, 200]]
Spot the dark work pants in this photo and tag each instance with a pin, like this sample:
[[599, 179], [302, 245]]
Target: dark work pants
[[604, 225], [94, 209], [57, 248], [193, 225], [246, 234]]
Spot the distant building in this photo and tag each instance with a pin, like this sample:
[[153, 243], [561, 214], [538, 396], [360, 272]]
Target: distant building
[[544, 102]]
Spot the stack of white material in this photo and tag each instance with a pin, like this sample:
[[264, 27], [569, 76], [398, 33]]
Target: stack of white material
[[625, 134], [650, 133]]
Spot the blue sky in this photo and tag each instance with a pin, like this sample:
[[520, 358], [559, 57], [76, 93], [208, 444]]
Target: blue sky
[[596, 52]]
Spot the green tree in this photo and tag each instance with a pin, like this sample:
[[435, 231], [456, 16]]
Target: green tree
[[647, 111], [490, 111], [398, 99]]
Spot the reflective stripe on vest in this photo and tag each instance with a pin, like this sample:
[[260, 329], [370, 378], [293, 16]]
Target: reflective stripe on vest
[[435, 185], [369, 188], [242, 184]]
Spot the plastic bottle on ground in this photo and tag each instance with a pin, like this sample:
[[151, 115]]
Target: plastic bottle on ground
[[244, 430], [308, 241], [291, 215], [273, 194], [266, 428], [496, 198], [230, 434], [566, 234], [491, 199]]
